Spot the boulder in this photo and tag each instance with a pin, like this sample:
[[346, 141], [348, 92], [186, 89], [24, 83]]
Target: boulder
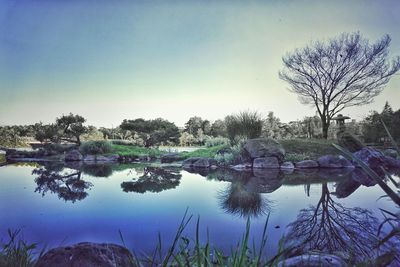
[[391, 153], [307, 164], [170, 157], [264, 147], [288, 165], [73, 155], [242, 167], [266, 163], [204, 163], [331, 161], [187, 163], [376, 159], [88, 255]]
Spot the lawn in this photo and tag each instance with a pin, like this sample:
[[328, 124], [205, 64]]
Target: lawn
[[135, 151], [301, 149], [208, 152]]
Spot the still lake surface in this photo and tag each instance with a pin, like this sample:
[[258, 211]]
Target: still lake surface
[[57, 205]]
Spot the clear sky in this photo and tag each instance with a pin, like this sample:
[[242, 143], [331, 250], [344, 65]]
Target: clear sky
[[111, 60]]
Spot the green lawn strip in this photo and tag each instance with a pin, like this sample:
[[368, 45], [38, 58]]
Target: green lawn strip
[[302, 149]]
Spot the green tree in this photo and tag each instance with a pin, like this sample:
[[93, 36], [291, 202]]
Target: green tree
[[153, 132], [72, 127]]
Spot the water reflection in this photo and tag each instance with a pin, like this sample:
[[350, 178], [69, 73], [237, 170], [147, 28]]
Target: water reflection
[[154, 179], [67, 184], [332, 228]]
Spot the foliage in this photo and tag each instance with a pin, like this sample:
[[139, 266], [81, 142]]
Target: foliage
[[2, 158], [216, 141], [153, 132], [16, 252], [187, 139], [246, 124], [95, 147], [373, 130], [71, 127], [232, 155], [343, 72], [218, 128], [203, 152], [135, 151]]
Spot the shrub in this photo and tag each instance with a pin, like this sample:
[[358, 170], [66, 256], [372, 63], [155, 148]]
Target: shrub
[[216, 141], [246, 124], [234, 155], [96, 147]]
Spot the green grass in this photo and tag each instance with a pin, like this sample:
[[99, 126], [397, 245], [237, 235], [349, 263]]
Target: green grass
[[2, 158], [208, 152], [302, 149], [135, 151]]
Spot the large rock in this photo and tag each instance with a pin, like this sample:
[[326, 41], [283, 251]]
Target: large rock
[[88, 255], [264, 147], [307, 164], [73, 155], [204, 163], [376, 159], [188, 163], [266, 163], [330, 161]]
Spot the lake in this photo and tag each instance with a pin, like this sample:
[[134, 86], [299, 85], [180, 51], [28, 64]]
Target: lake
[[55, 205]]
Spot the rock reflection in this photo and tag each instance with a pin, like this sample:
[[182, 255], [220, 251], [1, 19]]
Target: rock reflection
[[243, 196], [330, 227], [154, 180], [67, 184]]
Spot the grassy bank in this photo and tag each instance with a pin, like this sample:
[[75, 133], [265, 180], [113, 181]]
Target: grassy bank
[[208, 152], [2, 158], [301, 149], [135, 151]]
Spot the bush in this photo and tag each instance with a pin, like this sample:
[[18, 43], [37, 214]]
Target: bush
[[234, 155], [216, 141], [246, 124], [95, 147]]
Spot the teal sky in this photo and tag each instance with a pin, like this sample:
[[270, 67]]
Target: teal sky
[[111, 60]]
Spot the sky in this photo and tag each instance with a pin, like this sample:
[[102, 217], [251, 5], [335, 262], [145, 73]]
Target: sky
[[115, 60]]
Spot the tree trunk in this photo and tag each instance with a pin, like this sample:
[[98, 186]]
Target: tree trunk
[[325, 127]]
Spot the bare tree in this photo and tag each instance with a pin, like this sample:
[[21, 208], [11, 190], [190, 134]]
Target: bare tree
[[343, 72]]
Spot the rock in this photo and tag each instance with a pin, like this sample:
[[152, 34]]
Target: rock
[[203, 163], [376, 159], [288, 165], [189, 162], [330, 161], [88, 255], [266, 163], [313, 260], [306, 164], [170, 157], [73, 155], [391, 153], [264, 147], [267, 174]]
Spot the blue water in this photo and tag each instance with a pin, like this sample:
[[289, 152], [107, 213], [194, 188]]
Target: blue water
[[223, 202]]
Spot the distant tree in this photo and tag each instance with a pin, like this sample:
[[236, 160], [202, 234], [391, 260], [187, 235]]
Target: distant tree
[[72, 127], [193, 125], [153, 132], [187, 139], [218, 128], [46, 133], [343, 72], [272, 126]]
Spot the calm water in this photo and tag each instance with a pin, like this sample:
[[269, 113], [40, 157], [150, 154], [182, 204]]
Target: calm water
[[57, 205]]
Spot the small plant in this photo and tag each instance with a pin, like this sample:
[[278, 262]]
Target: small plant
[[16, 252], [96, 147]]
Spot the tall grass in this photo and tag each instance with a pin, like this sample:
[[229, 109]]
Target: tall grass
[[246, 124]]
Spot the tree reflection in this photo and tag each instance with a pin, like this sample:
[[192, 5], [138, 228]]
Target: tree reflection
[[153, 180], [243, 197], [66, 183], [330, 227]]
